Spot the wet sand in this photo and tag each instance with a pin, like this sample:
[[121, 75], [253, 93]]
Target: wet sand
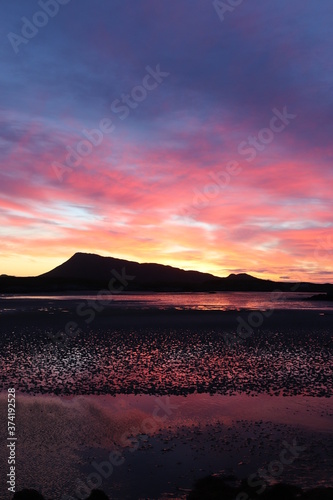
[[166, 451], [165, 352], [239, 394]]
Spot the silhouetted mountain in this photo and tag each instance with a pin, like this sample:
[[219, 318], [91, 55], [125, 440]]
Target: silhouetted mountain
[[240, 277], [322, 296], [95, 268], [89, 272]]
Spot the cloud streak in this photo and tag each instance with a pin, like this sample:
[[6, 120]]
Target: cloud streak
[[135, 195]]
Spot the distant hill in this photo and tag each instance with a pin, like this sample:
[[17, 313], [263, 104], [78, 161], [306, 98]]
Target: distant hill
[[90, 272], [242, 277], [93, 267]]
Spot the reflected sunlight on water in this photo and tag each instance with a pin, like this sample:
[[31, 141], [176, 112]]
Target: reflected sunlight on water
[[224, 301]]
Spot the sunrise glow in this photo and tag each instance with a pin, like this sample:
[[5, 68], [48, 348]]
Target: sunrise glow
[[192, 169]]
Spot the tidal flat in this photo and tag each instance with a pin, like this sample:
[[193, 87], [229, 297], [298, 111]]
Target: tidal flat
[[162, 397]]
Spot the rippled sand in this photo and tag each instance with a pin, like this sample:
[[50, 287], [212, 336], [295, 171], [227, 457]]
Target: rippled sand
[[166, 451], [271, 386], [170, 354]]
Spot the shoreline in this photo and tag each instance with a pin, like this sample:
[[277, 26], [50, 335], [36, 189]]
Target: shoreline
[[167, 352], [238, 402], [188, 439]]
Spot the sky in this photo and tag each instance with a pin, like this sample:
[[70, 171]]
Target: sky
[[185, 132]]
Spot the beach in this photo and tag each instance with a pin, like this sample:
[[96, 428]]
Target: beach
[[159, 446], [51, 349], [163, 396]]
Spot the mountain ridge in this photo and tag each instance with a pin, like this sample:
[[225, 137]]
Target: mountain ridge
[[72, 268], [90, 272]]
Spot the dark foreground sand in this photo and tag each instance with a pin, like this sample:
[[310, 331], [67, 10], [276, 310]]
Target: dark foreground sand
[[161, 445], [271, 388], [48, 348]]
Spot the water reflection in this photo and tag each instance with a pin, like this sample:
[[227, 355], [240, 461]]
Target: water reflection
[[188, 438], [223, 301]]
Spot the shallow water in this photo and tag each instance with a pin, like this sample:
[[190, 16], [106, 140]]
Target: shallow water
[[165, 443], [246, 395], [222, 301]]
